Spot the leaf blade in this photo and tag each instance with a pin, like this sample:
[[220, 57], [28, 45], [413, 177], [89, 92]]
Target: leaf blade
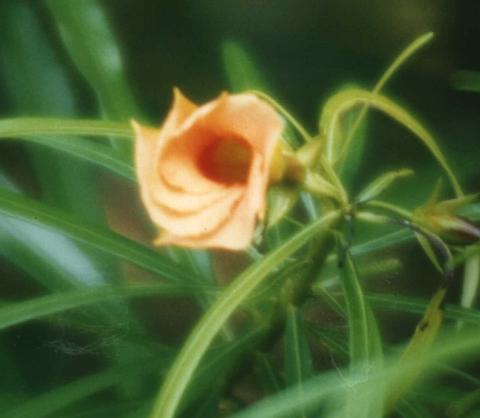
[[96, 236], [197, 343], [17, 313], [345, 100], [25, 126]]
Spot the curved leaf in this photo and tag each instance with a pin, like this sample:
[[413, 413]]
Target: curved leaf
[[86, 33], [98, 154], [216, 317], [96, 236], [346, 100], [391, 70], [329, 386]]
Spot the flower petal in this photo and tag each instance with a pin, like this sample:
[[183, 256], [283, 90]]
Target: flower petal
[[203, 175], [181, 109], [180, 201], [247, 117], [178, 163], [236, 234], [195, 224]]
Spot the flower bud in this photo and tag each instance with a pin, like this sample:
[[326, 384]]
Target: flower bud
[[441, 218]]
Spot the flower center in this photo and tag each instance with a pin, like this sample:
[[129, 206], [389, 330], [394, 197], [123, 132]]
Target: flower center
[[226, 161]]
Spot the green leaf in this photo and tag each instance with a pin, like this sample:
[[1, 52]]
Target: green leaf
[[471, 281], [242, 74], [98, 154], [89, 40], [411, 410], [35, 250], [469, 251], [221, 362], [16, 313], [217, 316], [380, 184], [361, 349], [281, 200], [471, 211], [467, 403], [327, 389], [350, 166], [298, 360], [55, 400], [430, 252], [96, 236], [119, 409], [38, 84], [418, 348], [334, 340], [382, 243], [364, 341], [387, 75], [267, 373], [342, 102], [417, 306], [24, 127]]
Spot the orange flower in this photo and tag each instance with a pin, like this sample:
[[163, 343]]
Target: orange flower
[[203, 175]]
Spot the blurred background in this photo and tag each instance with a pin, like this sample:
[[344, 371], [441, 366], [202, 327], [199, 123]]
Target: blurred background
[[303, 50]]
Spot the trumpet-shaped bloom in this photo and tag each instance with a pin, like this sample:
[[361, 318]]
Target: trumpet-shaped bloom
[[203, 175]]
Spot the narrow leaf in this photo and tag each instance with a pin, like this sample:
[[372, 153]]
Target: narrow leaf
[[364, 340], [216, 317], [348, 99], [471, 281], [357, 315], [380, 184], [298, 361], [387, 75], [89, 40], [16, 313], [418, 306], [418, 347], [44, 405], [23, 127], [98, 154], [327, 389], [241, 71], [430, 252], [96, 236]]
